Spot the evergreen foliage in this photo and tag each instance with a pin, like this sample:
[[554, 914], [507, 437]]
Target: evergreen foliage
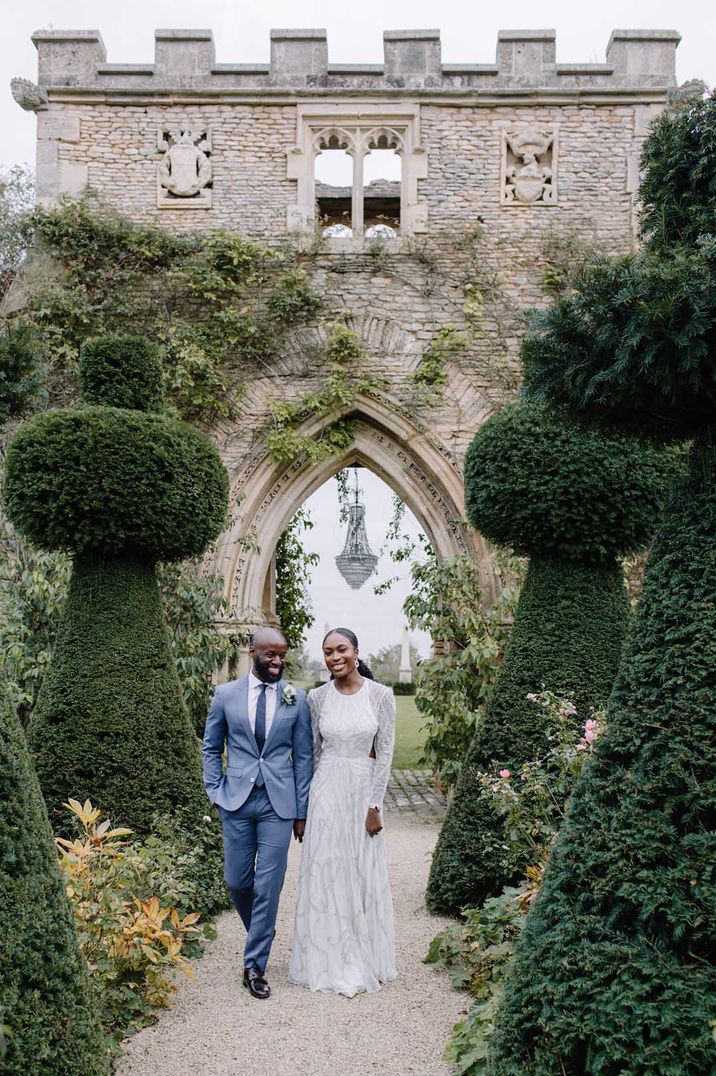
[[20, 371], [633, 344], [568, 633], [678, 189], [615, 972], [573, 499], [105, 480], [543, 485], [122, 371], [46, 1000], [110, 724], [119, 489]]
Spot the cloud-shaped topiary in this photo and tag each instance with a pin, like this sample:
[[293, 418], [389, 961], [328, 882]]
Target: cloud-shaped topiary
[[120, 489], [573, 500]]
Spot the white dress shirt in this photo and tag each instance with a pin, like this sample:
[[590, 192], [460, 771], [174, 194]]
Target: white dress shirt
[[271, 700]]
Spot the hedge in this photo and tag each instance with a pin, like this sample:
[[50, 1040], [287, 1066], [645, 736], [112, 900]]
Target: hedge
[[573, 499], [119, 488], [121, 371], [111, 481], [615, 971], [110, 723], [46, 999], [567, 635]]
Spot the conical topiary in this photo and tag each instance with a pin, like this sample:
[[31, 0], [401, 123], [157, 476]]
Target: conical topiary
[[573, 500], [614, 974], [46, 998], [120, 487]]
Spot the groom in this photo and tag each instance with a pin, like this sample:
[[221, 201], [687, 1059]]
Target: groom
[[263, 794]]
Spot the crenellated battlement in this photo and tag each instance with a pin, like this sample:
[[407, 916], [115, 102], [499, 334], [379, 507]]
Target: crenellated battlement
[[75, 62]]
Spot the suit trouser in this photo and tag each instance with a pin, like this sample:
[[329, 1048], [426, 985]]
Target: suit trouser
[[256, 843]]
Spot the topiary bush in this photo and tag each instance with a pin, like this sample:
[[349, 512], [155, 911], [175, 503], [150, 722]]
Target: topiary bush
[[46, 1000], [120, 489], [615, 971], [573, 500], [123, 371]]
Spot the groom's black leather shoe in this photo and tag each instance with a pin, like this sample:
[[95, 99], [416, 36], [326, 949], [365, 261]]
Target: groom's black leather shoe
[[256, 984]]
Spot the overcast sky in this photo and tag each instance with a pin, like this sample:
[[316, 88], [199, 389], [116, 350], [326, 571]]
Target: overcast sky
[[355, 33]]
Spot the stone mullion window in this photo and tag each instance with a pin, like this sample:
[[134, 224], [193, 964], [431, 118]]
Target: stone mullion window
[[357, 134]]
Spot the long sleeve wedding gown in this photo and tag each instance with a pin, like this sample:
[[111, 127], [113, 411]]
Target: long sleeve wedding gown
[[344, 940]]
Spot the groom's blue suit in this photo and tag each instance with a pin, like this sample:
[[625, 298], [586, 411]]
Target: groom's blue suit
[[258, 795]]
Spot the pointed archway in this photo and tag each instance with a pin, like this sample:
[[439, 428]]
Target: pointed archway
[[387, 441]]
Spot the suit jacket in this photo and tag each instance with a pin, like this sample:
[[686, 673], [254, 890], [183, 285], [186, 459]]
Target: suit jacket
[[286, 762]]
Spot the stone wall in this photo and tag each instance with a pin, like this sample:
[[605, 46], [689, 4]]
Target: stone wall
[[501, 164]]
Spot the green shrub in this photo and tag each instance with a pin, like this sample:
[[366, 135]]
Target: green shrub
[[400, 688], [677, 192], [614, 973], [108, 481], [633, 344], [121, 371], [568, 634], [574, 499], [541, 484], [131, 934], [46, 1000], [20, 370], [118, 488], [110, 724]]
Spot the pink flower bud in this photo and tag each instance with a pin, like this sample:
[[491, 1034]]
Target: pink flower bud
[[504, 774]]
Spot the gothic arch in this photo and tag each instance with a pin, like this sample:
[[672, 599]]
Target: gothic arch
[[388, 442]]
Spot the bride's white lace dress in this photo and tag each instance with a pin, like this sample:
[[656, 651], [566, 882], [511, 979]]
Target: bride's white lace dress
[[344, 939]]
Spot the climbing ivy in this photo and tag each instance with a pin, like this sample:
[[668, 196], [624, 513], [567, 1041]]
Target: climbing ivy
[[341, 384], [218, 303], [293, 578]]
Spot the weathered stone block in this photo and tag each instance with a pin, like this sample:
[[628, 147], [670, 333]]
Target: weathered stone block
[[68, 58], [299, 57], [525, 54], [644, 56], [58, 126], [183, 56], [413, 55]]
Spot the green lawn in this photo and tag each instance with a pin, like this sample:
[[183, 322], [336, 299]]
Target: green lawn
[[408, 737]]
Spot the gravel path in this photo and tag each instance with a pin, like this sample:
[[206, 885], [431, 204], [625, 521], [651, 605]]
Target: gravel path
[[215, 1029]]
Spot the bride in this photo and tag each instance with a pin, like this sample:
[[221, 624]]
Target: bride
[[344, 939]]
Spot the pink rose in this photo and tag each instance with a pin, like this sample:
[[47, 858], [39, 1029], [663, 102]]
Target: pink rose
[[504, 774]]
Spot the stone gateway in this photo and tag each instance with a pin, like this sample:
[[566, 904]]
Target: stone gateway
[[433, 202]]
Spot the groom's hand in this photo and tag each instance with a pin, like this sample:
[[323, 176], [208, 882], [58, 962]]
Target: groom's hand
[[299, 828]]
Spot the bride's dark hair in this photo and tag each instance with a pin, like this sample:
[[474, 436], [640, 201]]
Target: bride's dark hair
[[353, 640]]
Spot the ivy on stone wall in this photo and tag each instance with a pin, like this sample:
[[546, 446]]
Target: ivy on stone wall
[[217, 302], [342, 382]]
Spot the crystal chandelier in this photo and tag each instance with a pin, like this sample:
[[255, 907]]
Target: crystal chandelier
[[356, 563]]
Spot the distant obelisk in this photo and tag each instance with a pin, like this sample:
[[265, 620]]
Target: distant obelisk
[[325, 675], [405, 672]]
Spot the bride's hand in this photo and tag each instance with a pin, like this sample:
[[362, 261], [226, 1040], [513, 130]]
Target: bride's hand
[[372, 822]]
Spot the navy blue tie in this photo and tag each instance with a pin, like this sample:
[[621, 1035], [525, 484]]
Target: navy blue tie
[[260, 726]]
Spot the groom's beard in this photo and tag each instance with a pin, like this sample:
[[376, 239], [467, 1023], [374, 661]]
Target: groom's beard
[[264, 672]]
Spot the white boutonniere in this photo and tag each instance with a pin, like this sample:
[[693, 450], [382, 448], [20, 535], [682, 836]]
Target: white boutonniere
[[288, 694]]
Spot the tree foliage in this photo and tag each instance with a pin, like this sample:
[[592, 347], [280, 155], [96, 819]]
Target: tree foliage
[[293, 578], [452, 690], [21, 374], [615, 972], [17, 198]]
